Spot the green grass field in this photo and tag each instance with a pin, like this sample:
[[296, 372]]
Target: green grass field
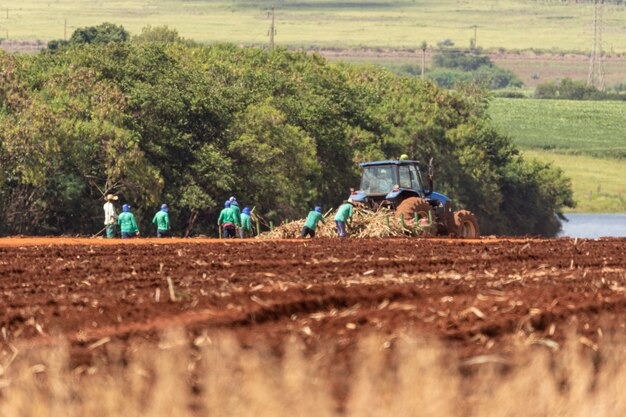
[[583, 138], [512, 24]]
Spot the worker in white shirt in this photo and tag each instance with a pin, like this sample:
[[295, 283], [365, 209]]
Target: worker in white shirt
[[110, 215]]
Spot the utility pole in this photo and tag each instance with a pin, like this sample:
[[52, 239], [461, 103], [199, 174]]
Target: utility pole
[[65, 30], [596, 60], [272, 30], [424, 47], [473, 44]]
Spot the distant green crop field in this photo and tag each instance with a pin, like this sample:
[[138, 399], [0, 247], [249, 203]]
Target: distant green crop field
[[512, 24], [595, 128], [583, 138], [599, 184]]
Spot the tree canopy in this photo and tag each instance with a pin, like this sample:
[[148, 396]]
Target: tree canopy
[[159, 120]]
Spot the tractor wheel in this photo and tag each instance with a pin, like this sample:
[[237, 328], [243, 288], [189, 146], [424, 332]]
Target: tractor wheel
[[412, 205], [466, 224]]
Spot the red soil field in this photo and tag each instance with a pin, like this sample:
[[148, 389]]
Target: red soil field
[[473, 295]]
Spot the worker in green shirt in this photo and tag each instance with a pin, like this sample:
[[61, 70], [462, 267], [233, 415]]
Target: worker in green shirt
[[344, 213], [127, 223], [246, 225], [162, 220], [314, 217], [227, 221], [234, 206]]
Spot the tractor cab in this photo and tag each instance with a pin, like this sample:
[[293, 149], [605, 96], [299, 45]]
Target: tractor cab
[[388, 183]]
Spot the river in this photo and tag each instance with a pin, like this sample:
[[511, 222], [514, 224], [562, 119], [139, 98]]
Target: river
[[594, 225]]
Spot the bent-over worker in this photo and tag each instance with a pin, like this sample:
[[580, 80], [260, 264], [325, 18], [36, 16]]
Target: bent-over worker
[[344, 213], [314, 217]]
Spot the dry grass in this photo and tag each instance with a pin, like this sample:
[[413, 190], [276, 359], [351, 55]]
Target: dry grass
[[408, 377]]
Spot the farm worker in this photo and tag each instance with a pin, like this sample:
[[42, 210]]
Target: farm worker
[[246, 225], [234, 206], [344, 213], [314, 217], [110, 215], [127, 223], [227, 221], [162, 220], [404, 157]]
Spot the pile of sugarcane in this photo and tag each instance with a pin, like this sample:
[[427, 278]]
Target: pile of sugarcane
[[365, 223]]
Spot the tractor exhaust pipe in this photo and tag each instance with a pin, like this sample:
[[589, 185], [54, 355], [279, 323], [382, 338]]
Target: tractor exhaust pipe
[[431, 174]]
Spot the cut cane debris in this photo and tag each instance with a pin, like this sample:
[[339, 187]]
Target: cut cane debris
[[475, 311], [170, 286], [259, 301], [99, 343], [483, 359], [365, 223], [587, 342]]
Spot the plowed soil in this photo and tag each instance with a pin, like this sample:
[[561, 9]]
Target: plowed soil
[[476, 296]]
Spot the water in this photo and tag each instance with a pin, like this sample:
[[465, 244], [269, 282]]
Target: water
[[594, 225]]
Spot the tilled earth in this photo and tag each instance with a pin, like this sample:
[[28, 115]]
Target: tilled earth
[[474, 295]]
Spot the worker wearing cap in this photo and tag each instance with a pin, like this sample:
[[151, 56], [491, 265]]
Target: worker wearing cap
[[246, 224], [234, 206], [110, 215], [227, 221], [127, 223], [344, 213], [314, 217], [162, 220]]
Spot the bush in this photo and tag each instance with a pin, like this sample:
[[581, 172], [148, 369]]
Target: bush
[[460, 60], [621, 87], [509, 94], [449, 78], [488, 77], [103, 33], [568, 89], [452, 68]]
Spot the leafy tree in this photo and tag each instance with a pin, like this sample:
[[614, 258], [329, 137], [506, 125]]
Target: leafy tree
[[454, 68], [159, 120], [103, 33], [161, 34], [461, 60], [568, 89]]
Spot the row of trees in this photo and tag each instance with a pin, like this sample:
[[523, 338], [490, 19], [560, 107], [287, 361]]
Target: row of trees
[[452, 68], [568, 89], [158, 119]]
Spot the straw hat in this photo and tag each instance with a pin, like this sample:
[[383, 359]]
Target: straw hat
[[111, 197]]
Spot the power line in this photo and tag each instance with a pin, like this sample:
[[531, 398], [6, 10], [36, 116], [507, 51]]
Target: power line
[[596, 60]]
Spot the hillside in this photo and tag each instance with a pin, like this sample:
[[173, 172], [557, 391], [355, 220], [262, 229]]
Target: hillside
[[509, 24]]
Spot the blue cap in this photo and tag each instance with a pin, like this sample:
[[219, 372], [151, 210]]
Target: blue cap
[[318, 209], [164, 208], [227, 204], [246, 210], [126, 208]]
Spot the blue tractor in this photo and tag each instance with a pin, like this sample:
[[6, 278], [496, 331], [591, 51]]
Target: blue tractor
[[398, 185]]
